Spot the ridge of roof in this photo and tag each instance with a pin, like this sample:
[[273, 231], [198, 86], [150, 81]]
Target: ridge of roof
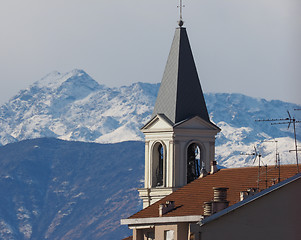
[[190, 198], [282, 165], [180, 95]]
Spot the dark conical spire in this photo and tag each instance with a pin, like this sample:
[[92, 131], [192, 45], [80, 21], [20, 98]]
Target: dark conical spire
[[180, 95]]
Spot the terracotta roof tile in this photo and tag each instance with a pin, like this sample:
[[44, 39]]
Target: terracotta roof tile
[[189, 199], [128, 238]]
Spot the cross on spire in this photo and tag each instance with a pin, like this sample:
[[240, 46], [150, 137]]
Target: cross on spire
[[181, 22]]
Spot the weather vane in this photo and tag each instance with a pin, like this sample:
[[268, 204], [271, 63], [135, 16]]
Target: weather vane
[[181, 22]]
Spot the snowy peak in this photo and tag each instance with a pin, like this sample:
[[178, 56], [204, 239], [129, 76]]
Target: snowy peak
[[74, 81], [73, 106], [55, 92]]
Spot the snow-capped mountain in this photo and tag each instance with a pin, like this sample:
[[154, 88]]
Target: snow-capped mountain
[[73, 106]]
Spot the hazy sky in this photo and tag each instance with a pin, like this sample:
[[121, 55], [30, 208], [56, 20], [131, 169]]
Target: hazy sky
[[245, 46]]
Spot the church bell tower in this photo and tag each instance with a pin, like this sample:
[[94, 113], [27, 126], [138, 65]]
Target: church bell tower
[[179, 138]]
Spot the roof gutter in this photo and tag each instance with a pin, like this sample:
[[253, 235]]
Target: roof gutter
[[144, 221]]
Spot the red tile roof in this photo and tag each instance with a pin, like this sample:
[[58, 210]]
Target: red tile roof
[[128, 238], [189, 199]]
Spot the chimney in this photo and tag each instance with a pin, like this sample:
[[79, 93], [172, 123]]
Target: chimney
[[218, 203], [220, 194], [165, 208], [250, 192], [204, 173], [207, 209], [213, 167]]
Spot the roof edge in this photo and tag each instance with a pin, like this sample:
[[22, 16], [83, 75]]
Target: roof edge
[[208, 123], [154, 118], [140, 221]]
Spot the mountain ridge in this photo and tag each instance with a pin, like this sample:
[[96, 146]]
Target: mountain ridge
[[73, 106]]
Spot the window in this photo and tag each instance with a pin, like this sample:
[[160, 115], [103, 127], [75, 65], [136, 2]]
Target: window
[[158, 165], [192, 236], [159, 170], [150, 236], [169, 235], [194, 163]]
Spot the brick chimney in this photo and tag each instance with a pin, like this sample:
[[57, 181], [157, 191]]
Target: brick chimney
[[165, 208]]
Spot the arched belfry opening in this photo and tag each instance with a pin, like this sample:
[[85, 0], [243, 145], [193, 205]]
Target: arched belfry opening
[[158, 174], [194, 162]]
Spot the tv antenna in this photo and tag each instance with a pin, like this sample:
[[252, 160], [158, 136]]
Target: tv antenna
[[277, 160], [277, 157], [289, 120], [255, 154], [298, 150]]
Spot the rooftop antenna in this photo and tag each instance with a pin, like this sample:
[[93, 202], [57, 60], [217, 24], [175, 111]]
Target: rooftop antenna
[[289, 120], [181, 22], [279, 178], [255, 154], [277, 153], [277, 157], [296, 150]]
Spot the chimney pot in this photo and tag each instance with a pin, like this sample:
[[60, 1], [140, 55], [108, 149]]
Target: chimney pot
[[220, 194], [213, 167], [218, 203], [207, 209], [161, 206]]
